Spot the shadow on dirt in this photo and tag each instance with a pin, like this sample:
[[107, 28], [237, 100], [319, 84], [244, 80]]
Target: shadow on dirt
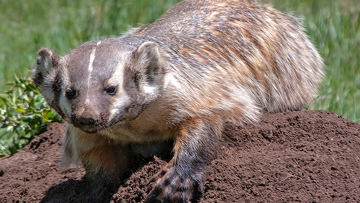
[[84, 190]]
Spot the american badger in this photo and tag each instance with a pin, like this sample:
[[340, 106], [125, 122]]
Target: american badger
[[203, 63]]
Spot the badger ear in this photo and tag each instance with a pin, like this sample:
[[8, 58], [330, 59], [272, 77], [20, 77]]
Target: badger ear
[[148, 66], [46, 61], [147, 59]]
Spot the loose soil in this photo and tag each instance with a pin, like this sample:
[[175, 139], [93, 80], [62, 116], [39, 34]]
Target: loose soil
[[301, 156]]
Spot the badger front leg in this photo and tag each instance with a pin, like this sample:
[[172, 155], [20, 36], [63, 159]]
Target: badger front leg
[[182, 178]]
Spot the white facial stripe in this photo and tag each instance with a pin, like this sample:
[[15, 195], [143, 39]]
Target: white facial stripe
[[90, 69], [92, 57]]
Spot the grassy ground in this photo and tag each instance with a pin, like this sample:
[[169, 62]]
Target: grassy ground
[[27, 26]]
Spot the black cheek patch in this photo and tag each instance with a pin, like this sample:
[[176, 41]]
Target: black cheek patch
[[56, 83], [139, 100], [57, 108], [56, 88], [131, 87], [131, 83], [38, 79]]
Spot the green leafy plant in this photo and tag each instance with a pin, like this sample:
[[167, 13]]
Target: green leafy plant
[[24, 113]]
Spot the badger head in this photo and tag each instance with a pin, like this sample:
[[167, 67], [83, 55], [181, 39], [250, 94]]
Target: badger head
[[101, 83]]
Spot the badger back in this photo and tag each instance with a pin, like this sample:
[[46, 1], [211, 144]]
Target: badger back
[[240, 48]]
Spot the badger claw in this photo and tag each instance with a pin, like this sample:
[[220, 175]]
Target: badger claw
[[172, 187]]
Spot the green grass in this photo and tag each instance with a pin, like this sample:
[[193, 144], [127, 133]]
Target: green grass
[[334, 27], [27, 26]]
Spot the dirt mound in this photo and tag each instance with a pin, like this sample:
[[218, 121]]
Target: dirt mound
[[304, 156]]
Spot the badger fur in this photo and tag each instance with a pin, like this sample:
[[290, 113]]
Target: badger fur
[[203, 63]]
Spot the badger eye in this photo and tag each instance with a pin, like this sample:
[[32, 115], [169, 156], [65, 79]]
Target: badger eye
[[70, 93], [110, 90]]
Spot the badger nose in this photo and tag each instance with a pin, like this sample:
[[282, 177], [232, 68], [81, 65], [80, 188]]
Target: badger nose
[[83, 121]]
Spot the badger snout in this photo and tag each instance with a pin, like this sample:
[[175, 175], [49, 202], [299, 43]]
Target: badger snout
[[83, 121], [87, 123]]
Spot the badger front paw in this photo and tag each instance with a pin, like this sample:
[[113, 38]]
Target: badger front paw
[[172, 186]]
